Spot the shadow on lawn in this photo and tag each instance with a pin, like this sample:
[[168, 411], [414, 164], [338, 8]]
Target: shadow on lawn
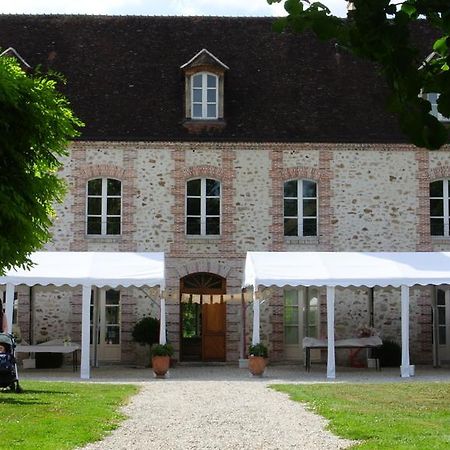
[[21, 401], [39, 391]]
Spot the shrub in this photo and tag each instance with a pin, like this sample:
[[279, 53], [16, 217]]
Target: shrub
[[258, 350], [146, 331], [162, 350]]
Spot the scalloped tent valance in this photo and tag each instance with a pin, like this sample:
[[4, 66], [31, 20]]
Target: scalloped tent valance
[[99, 269], [346, 269]]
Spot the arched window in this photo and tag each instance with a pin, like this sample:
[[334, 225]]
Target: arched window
[[439, 207], [104, 206], [204, 96], [300, 208], [203, 207]]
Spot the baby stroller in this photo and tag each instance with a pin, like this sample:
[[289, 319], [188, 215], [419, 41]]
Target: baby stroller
[[8, 367]]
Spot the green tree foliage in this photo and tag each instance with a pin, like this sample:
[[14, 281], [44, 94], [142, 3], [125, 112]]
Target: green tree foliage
[[36, 125], [380, 31]]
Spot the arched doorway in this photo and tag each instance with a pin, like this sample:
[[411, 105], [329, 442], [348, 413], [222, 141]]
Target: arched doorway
[[203, 319]]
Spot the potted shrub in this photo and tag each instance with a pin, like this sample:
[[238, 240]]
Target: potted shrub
[[257, 359], [146, 332], [161, 354]]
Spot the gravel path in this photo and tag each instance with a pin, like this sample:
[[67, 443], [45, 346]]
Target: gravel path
[[218, 414]]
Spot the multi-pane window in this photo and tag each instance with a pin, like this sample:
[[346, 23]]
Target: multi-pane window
[[300, 208], [15, 307], [105, 317], [104, 206], [441, 317], [291, 317], [439, 207], [112, 317], [204, 96], [432, 97], [203, 207], [301, 314]]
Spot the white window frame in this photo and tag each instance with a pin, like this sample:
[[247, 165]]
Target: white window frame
[[304, 296], [434, 109], [204, 90], [203, 197], [104, 205], [445, 199], [300, 217]]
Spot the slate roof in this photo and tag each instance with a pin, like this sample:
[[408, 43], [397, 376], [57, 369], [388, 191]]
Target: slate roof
[[124, 78]]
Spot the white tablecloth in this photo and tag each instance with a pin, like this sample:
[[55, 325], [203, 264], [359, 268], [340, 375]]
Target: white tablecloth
[[371, 341], [48, 347]]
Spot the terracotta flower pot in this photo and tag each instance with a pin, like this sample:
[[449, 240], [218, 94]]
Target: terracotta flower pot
[[256, 365], [160, 365]]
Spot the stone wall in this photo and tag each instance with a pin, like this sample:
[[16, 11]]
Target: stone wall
[[371, 198], [51, 313]]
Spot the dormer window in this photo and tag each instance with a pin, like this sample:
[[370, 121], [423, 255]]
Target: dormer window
[[205, 96], [204, 93]]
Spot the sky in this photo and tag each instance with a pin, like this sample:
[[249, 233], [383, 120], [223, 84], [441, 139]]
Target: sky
[[155, 7]]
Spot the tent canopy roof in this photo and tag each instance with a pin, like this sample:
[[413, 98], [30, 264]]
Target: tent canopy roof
[[346, 269], [91, 269]]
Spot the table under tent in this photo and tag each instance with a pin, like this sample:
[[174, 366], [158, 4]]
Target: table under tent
[[88, 270], [401, 270]]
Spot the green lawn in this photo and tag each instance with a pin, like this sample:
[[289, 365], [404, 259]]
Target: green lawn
[[383, 416], [53, 415]]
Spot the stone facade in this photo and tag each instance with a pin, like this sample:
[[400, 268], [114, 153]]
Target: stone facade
[[372, 197]]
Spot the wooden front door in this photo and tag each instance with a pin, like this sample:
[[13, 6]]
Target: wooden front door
[[213, 336], [203, 325]]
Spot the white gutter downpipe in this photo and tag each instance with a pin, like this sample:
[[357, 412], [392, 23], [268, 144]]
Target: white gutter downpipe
[[85, 332], [405, 369], [331, 362]]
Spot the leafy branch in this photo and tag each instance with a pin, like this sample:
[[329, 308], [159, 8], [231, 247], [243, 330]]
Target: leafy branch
[[382, 32]]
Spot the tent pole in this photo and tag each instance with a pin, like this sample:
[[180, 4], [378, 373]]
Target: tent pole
[[85, 328], [256, 322], [162, 322], [31, 312], [242, 349], [405, 367], [331, 362], [9, 307], [96, 301], [434, 313]]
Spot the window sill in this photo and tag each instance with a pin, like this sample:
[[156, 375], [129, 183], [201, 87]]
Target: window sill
[[198, 126], [203, 239], [301, 240], [440, 239], [103, 238]]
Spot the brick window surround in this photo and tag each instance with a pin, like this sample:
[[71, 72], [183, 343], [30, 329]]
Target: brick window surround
[[322, 176], [83, 174], [225, 175]]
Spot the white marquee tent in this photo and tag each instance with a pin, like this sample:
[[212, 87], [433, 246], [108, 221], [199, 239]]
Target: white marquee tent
[[331, 269], [88, 269]]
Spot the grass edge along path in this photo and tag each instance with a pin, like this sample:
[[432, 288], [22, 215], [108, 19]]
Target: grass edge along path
[[412, 415], [60, 415]]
